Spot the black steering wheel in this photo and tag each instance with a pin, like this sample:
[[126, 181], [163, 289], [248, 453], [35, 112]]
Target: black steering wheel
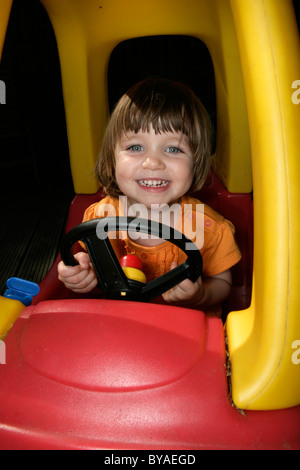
[[111, 277]]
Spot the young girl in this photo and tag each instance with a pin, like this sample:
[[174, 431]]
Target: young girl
[[156, 152]]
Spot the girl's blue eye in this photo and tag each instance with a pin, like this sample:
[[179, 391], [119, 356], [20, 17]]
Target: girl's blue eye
[[136, 148], [173, 150]]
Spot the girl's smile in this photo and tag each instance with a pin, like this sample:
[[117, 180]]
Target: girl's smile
[[154, 168], [156, 185]]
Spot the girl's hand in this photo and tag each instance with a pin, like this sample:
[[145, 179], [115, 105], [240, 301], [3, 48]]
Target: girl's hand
[[186, 292], [202, 293], [81, 278]]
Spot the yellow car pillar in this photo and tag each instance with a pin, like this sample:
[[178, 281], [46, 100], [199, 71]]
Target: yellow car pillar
[[262, 339]]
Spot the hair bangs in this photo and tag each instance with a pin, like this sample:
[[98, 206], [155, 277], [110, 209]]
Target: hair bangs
[[158, 113]]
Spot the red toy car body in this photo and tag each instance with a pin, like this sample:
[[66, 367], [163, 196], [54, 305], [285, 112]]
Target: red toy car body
[[100, 374]]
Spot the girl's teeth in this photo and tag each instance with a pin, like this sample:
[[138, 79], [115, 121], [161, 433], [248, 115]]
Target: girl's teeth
[[153, 183]]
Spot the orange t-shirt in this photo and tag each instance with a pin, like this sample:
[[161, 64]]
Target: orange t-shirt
[[211, 233]]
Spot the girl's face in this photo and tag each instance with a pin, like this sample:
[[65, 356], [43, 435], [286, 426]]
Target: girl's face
[[153, 168]]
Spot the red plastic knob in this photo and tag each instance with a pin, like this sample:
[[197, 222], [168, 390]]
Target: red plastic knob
[[132, 267], [131, 261]]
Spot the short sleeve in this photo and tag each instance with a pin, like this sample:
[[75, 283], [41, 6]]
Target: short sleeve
[[90, 212], [220, 251]]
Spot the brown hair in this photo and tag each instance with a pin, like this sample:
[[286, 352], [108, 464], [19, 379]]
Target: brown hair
[[167, 106]]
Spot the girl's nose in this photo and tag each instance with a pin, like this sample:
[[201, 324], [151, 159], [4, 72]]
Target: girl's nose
[[153, 162]]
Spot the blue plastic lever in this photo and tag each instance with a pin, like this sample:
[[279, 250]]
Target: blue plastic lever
[[22, 290]]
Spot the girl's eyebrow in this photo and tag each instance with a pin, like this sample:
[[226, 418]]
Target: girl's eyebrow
[[128, 136]]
